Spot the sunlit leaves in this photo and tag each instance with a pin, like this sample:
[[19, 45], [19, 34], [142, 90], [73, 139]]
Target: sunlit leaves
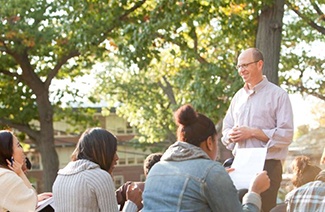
[[42, 36], [303, 68], [20, 107], [184, 52]]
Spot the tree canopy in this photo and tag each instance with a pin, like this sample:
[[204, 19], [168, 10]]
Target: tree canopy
[[180, 52], [43, 40], [302, 69], [185, 52], [159, 55]]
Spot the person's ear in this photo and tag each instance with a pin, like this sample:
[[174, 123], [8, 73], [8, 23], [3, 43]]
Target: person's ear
[[210, 143], [260, 63]]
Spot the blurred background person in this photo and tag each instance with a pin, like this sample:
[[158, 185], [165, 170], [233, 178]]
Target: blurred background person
[[17, 193], [303, 172], [309, 196], [120, 193]]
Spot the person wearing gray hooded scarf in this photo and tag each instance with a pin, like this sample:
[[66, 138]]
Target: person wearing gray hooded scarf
[[189, 179]]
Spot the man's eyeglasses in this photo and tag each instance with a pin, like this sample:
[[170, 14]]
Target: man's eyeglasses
[[244, 66]]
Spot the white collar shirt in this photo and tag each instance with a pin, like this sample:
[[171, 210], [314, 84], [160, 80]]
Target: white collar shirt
[[267, 107]]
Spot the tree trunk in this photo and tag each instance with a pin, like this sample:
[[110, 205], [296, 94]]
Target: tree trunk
[[46, 145], [268, 38]]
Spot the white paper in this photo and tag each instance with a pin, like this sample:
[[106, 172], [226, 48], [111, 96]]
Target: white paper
[[247, 163], [42, 204]]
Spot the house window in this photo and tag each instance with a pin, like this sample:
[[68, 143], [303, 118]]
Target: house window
[[140, 161], [131, 161], [118, 180], [121, 161], [35, 161], [129, 128], [120, 130]]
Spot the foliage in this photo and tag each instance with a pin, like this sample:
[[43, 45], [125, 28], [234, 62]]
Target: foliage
[[55, 35], [18, 106], [179, 52], [319, 113], [45, 40], [182, 52], [159, 55], [302, 69], [301, 130]]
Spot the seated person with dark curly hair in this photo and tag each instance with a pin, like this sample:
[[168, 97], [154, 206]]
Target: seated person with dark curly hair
[[150, 160]]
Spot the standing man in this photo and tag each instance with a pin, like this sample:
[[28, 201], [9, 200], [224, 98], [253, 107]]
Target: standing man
[[260, 115]]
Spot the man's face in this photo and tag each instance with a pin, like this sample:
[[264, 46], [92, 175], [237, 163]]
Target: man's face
[[248, 68]]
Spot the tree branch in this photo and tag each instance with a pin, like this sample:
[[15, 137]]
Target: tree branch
[[5, 48], [198, 56], [319, 11], [60, 63], [168, 90], [306, 19], [28, 76], [318, 95], [132, 9], [123, 17], [33, 134], [8, 73]]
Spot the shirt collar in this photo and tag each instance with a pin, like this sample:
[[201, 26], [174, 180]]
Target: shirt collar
[[257, 87]]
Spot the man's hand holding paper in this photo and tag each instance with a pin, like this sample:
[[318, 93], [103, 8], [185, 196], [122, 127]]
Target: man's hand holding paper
[[247, 164]]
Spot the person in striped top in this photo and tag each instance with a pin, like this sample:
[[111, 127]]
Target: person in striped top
[[86, 184]]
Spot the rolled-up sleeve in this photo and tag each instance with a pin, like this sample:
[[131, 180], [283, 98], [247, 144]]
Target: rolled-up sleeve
[[267, 107], [282, 135]]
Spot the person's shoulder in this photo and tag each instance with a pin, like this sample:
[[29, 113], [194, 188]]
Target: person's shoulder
[[215, 166], [124, 187], [276, 87], [97, 171], [239, 93], [98, 177], [242, 89], [302, 189], [9, 179], [6, 172], [205, 161], [216, 170], [5, 176], [276, 91], [315, 184], [290, 194]]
